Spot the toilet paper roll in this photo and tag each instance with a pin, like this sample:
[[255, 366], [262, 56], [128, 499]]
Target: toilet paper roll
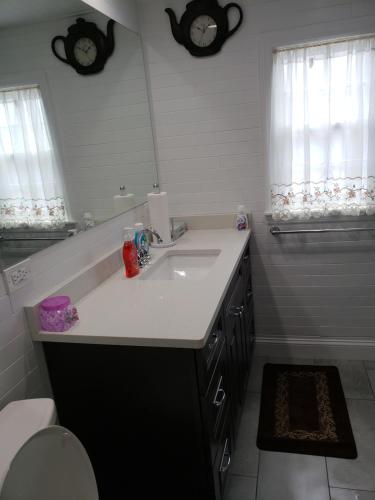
[[159, 215], [122, 203]]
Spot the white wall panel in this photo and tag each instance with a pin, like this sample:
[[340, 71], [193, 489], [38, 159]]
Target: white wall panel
[[210, 124]]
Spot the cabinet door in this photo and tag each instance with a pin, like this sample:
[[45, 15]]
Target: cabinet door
[[216, 402], [245, 341], [207, 358], [236, 349], [245, 262], [223, 459], [248, 319], [247, 305], [233, 365]]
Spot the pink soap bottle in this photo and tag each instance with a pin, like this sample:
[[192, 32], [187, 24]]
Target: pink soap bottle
[[129, 254]]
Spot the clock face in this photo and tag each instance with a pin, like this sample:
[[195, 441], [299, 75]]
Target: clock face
[[85, 51], [203, 31]]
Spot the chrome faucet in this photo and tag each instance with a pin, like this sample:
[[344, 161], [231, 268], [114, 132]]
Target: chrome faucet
[[143, 254], [154, 233]]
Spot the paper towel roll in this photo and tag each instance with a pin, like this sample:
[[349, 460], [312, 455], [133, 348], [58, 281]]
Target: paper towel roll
[[122, 203], [159, 215]]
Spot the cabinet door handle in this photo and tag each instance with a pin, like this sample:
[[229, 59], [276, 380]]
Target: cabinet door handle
[[236, 311], [226, 458], [220, 395], [246, 258], [212, 344], [249, 293]]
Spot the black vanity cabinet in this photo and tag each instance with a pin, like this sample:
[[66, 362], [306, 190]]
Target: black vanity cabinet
[[239, 325], [160, 423]]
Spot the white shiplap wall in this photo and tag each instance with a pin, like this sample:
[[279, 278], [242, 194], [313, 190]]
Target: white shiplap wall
[[210, 120], [22, 370], [209, 125], [101, 122]]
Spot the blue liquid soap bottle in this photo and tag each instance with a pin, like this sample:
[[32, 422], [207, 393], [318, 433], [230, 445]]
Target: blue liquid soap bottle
[[142, 244]]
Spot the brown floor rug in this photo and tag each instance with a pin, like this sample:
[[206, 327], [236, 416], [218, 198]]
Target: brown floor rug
[[303, 410]]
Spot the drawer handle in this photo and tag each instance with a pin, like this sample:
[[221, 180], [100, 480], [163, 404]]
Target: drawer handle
[[237, 311], [220, 395], [215, 336], [225, 459]]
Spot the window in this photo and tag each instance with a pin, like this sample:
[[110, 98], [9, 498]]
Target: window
[[30, 189], [322, 137]]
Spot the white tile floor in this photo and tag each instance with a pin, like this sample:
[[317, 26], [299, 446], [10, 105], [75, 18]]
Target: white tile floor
[[263, 475]]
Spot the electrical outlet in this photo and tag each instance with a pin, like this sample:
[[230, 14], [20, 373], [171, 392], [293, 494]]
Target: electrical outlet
[[18, 275]]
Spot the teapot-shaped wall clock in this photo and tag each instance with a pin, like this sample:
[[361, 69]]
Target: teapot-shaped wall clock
[[86, 47], [204, 26]]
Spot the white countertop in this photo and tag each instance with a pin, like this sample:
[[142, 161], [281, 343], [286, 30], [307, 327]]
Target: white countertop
[[138, 312]]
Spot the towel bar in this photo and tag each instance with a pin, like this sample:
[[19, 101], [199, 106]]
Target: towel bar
[[275, 230]]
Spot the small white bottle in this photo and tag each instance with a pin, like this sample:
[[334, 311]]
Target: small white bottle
[[88, 221], [242, 222]]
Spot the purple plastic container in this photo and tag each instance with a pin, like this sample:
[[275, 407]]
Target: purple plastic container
[[57, 314]]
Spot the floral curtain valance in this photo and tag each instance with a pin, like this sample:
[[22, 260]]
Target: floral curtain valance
[[322, 137], [36, 213], [31, 190]]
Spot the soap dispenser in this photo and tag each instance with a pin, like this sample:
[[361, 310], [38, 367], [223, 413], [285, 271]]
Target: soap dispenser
[[141, 244], [129, 254], [242, 221]]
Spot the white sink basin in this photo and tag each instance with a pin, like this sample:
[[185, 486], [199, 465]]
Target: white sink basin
[[182, 265]]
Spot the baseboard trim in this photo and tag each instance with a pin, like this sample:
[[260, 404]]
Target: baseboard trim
[[316, 347]]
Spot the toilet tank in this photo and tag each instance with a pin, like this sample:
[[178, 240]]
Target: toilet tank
[[19, 421]]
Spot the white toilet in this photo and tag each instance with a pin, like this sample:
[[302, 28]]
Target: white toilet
[[40, 460]]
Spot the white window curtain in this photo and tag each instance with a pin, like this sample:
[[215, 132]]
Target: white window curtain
[[322, 137], [31, 190]]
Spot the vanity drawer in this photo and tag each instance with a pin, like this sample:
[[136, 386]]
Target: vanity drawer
[[245, 266], [207, 357], [216, 402], [242, 272], [223, 458]]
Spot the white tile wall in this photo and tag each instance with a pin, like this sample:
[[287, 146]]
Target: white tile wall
[[101, 122], [22, 369], [210, 122]]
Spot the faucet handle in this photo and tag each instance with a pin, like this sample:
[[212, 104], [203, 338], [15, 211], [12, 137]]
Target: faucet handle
[[154, 233]]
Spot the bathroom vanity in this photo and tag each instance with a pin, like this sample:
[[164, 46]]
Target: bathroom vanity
[[154, 380]]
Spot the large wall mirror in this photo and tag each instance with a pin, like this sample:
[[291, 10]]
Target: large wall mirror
[[75, 150]]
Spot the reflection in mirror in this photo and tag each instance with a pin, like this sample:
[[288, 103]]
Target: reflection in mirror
[[75, 150]]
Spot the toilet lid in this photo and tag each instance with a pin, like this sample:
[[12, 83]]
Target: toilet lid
[[52, 464]]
